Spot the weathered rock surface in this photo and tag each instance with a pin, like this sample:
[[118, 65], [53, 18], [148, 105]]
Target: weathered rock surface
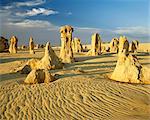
[[66, 52], [31, 46], [39, 76], [3, 44], [76, 45], [50, 59], [95, 45], [114, 45], [13, 44], [123, 45], [134, 46], [128, 69]]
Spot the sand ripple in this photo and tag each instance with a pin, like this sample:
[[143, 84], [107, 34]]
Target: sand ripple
[[78, 98]]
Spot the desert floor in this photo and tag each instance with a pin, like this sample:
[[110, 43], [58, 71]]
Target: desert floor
[[82, 91]]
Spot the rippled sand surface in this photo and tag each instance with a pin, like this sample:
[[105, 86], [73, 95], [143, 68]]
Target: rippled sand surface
[[75, 95]]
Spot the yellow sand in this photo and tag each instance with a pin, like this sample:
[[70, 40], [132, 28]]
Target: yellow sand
[[87, 95]]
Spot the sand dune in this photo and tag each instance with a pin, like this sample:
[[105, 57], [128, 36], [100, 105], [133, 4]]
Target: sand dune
[[87, 95]]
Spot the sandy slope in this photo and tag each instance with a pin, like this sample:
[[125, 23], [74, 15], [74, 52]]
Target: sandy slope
[[75, 95]]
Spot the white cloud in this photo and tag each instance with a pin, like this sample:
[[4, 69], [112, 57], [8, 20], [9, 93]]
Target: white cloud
[[30, 3], [37, 11], [31, 24], [132, 30], [69, 13]]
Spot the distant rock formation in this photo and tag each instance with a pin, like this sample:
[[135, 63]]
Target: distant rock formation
[[39, 76], [128, 69], [66, 53], [114, 45], [23, 47], [31, 46], [13, 44], [134, 46], [95, 45], [76, 45], [3, 44]]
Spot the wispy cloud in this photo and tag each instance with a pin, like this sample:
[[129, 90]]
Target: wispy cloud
[[69, 13], [37, 11], [30, 3], [132, 30], [31, 24]]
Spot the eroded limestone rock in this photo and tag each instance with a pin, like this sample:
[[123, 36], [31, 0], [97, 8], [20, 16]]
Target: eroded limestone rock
[[134, 46], [76, 45], [123, 45], [39, 76], [3, 44], [50, 59], [95, 45], [66, 53], [114, 45], [128, 69], [13, 44], [31, 46]]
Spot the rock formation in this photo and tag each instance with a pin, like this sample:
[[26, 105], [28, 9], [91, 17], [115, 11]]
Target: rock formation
[[123, 45], [39, 76], [128, 68], [23, 47], [13, 44], [31, 46], [114, 45], [50, 59], [66, 53], [76, 45], [3, 44], [134, 46], [95, 45]]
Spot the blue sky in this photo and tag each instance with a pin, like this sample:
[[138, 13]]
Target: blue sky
[[42, 19]]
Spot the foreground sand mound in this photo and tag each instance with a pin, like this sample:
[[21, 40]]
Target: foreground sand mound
[[76, 99], [39, 76]]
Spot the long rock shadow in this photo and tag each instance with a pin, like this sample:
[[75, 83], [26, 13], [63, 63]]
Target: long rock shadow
[[6, 60], [10, 76], [83, 74], [84, 58]]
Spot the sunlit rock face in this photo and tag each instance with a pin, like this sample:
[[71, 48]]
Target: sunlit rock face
[[39, 76], [76, 45], [95, 45], [31, 46], [66, 52], [13, 44], [128, 69], [134, 46], [114, 45]]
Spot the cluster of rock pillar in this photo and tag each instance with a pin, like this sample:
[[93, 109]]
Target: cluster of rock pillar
[[128, 69]]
